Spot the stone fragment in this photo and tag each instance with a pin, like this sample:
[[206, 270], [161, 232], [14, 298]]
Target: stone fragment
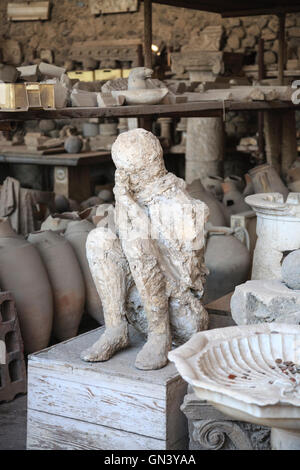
[[46, 55], [240, 32], [106, 100], [265, 301], [29, 73], [267, 34], [269, 57], [249, 41], [253, 30], [294, 32], [8, 73], [233, 41], [274, 24]]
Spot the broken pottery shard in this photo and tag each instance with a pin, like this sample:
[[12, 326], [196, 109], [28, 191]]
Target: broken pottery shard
[[82, 98], [152, 277], [265, 301], [117, 84], [29, 73], [106, 100], [50, 70]]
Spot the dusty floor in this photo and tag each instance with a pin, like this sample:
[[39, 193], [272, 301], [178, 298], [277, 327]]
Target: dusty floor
[[13, 424]]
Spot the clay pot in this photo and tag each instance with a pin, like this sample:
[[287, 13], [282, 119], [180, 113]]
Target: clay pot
[[73, 144], [233, 199], [237, 181], [90, 129], [22, 272], [106, 195], [56, 224], [249, 189], [213, 184], [228, 261], [61, 203], [217, 215], [66, 281], [91, 202], [76, 234], [266, 180], [293, 179]]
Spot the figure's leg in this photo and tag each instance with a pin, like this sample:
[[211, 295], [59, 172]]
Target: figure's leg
[[111, 274], [187, 316], [150, 282]]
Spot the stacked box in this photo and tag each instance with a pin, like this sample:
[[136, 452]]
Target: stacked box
[[12, 364]]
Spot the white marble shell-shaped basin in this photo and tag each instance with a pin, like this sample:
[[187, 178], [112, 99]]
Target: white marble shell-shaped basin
[[147, 96], [250, 372]]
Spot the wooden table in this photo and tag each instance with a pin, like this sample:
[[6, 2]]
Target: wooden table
[[71, 171]]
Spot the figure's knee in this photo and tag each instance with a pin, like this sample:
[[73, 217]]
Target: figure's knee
[[100, 242]]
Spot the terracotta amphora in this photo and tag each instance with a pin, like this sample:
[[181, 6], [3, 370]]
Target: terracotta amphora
[[23, 273], [66, 281], [76, 234]]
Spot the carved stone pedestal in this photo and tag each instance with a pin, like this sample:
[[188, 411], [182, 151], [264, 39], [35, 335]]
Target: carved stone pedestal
[[209, 429]]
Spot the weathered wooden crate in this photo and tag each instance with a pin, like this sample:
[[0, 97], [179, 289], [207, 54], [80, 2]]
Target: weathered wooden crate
[[110, 405]]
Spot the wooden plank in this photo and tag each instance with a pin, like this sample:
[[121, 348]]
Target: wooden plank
[[235, 8], [191, 109], [28, 11], [113, 394], [65, 159], [98, 405], [51, 432]]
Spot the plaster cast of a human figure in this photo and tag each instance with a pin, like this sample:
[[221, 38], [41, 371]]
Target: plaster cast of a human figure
[[154, 282]]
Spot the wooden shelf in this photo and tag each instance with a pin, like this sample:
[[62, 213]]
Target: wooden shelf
[[191, 109]]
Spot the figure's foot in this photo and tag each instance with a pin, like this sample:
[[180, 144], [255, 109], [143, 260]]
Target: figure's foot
[[154, 354], [112, 340]]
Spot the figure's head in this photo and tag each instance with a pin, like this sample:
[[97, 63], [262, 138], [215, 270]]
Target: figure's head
[[137, 151]]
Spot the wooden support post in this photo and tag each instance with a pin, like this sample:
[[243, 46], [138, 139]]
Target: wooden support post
[[72, 182], [261, 71], [281, 51], [146, 122], [148, 33]]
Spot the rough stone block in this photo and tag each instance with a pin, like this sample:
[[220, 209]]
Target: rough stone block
[[265, 301]]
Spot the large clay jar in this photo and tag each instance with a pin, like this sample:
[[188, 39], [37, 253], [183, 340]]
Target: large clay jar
[[76, 234], [217, 213], [233, 199], [23, 273], [228, 261], [66, 281]]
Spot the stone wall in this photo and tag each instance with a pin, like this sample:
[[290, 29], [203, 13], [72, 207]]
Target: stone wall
[[71, 21]]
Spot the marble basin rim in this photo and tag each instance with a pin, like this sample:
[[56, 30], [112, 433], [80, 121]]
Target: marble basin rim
[[208, 359]]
